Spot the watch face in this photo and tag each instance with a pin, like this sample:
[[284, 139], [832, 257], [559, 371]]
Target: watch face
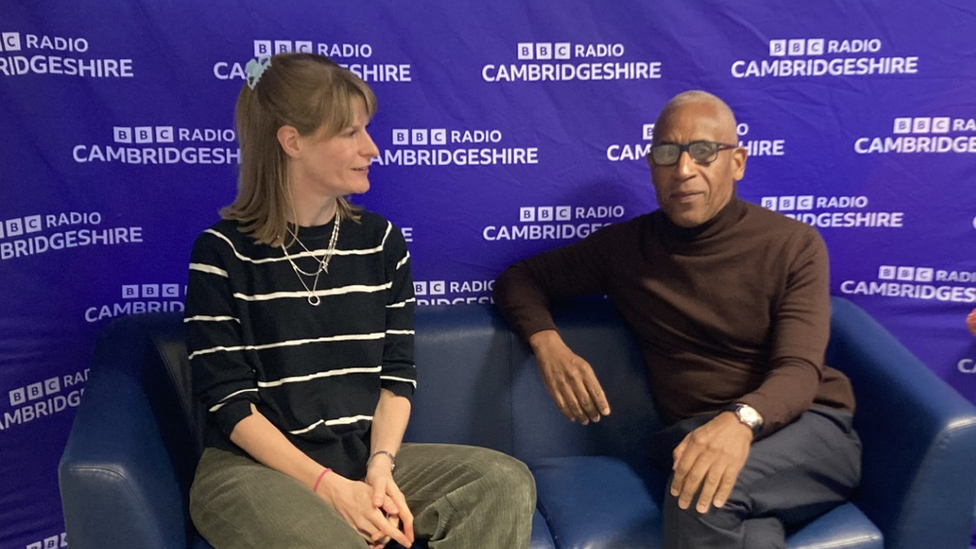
[[748, 415]]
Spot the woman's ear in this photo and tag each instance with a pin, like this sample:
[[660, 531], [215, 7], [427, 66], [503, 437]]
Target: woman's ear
[[288, 138]]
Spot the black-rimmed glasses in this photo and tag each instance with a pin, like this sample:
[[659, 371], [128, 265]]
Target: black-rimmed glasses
[[702, 152]]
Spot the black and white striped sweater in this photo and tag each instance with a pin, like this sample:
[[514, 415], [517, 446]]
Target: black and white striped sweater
[[314, 371]]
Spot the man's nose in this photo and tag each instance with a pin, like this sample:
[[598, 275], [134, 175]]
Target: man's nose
[[685, 166]]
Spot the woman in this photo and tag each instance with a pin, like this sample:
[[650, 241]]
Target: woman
[[299, 320]]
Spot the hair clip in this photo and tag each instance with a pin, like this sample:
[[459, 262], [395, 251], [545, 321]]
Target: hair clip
[[255, 68]]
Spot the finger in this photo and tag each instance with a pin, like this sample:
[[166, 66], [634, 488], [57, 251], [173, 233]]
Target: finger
[[552, 387], [693, 481], [713, 479], [405, 515], [365, 528], [582, 396], [381, 523], [678, 451], [599, 397], [683, 460], [562, 394], [379, 491], [725, 487], [574, 406], [395, 523], [393, 516], [591, 394], [389, 507], [557, 381], [557, 398], [386, 529], [683, 469]]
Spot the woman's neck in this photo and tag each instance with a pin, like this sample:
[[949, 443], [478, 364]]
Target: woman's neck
[[308, 207], [312, 213]]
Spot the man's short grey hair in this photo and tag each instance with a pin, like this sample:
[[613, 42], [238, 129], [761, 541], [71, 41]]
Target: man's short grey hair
[[695, 96]]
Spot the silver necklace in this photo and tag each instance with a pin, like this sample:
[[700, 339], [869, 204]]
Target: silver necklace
[[313, 299]]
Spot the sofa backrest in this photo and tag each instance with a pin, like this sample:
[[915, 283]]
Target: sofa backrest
[[478, 384], [156, 342]]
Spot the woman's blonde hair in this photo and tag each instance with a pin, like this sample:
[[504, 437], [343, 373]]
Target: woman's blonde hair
[[303, 90]]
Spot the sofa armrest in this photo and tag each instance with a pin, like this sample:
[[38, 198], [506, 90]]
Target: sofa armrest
[[919, 435], [115, 463]]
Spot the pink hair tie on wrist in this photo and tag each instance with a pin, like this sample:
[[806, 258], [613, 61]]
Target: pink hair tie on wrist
[[315, 487]]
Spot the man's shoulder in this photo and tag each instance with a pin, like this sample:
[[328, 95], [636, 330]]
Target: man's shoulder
[[623, 228], [774, 231], [776, 221]]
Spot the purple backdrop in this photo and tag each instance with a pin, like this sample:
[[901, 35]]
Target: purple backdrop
[[506, 128]]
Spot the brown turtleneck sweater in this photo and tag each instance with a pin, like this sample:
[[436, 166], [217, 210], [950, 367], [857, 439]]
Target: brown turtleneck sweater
[[734, 310]]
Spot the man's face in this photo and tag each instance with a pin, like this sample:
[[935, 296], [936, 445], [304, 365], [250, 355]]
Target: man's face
[[690, 193]]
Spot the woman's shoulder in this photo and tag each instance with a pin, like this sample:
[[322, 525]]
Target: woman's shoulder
[[374, 224], [376, 232], [225, 237], [225, 229], [371, 220]]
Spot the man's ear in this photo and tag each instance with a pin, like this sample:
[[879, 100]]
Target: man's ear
[[288, 138], [739, 163]]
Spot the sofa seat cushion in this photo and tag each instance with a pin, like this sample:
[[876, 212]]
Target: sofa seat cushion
[[844, 527], [598, 502], [595, 502], [541, 538]]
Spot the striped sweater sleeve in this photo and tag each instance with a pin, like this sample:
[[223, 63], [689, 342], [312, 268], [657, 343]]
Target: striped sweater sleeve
[[222, 379], [398, 374]]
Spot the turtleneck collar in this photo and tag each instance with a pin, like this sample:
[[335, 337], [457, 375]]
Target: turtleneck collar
[[700, 238]]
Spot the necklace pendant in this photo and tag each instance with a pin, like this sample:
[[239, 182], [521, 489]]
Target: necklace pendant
[[314, 300]]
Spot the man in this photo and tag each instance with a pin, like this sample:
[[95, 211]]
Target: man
[[730, 305]]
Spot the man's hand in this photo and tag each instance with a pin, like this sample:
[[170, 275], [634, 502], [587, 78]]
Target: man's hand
[[971, 322], [710, 458], [354, 502], [569, 379]]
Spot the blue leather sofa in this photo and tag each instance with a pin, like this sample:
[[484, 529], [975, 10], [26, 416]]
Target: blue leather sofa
[[130, 456]]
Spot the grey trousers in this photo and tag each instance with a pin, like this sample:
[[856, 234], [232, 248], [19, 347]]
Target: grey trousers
[[461, 497], [791, 477]]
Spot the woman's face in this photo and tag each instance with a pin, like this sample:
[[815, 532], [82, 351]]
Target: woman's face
[[329, 167]]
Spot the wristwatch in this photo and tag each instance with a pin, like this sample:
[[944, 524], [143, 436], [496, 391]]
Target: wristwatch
[[748, 416]]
